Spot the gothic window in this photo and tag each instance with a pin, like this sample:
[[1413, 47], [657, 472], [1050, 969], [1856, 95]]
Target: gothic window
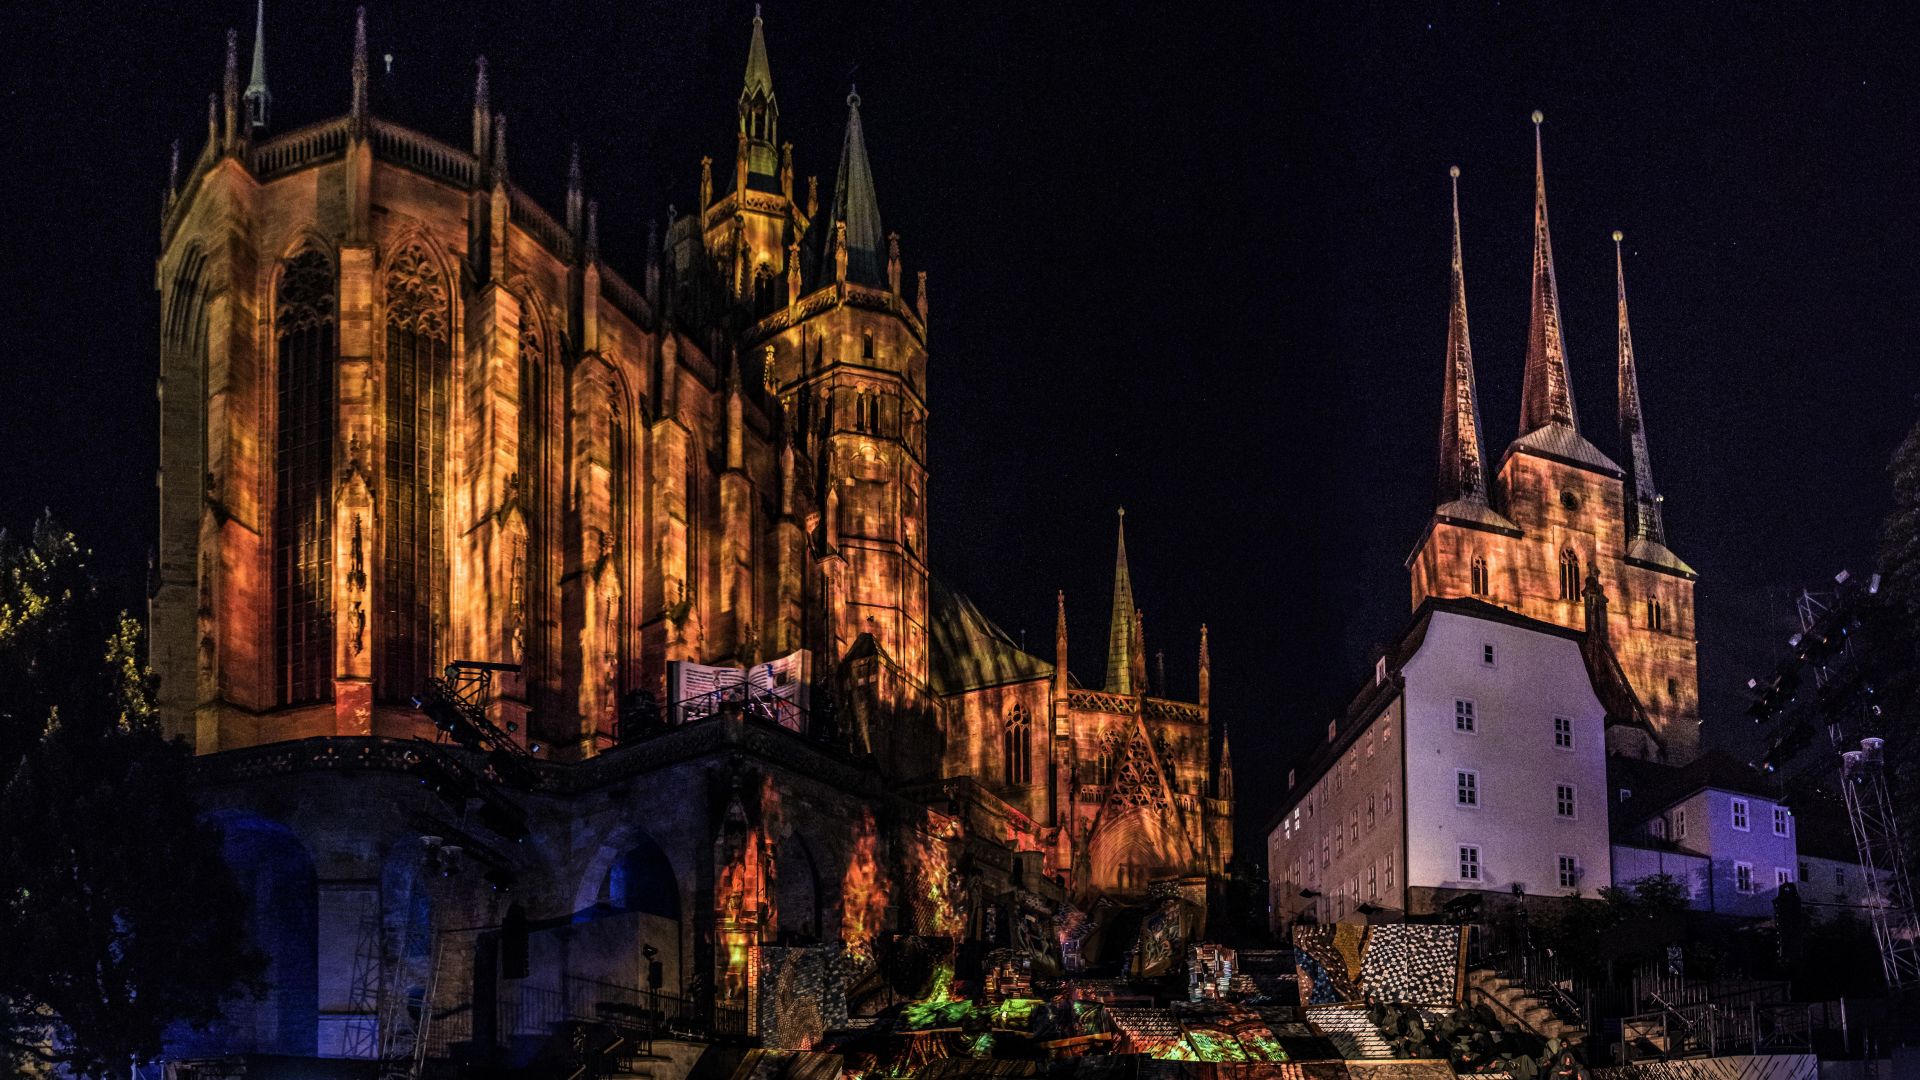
[[866, 345], [763, 290], [1569, 575], [303, 465], [1479, 575], [619, 479], [1656, 615], [412, 557], [531, 462], [1016, 744]]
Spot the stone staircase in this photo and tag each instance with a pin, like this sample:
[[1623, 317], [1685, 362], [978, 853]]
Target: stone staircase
[[1513, 1003], [1349, 1029]]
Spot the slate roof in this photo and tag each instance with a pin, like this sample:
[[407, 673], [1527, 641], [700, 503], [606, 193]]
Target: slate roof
[[968, 651]]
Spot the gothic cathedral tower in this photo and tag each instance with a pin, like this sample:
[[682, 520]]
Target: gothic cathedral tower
[[1560, 517]]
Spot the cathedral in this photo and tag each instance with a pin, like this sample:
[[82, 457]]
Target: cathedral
[[1559, 519], [662, 543]]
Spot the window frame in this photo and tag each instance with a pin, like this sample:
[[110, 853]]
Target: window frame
[[1567, 870], [1782, 821], [1465, 711], [1466, 789], [1563, 733], [1740, 813], [1743, 878], [1468, 863], [1566, 795]]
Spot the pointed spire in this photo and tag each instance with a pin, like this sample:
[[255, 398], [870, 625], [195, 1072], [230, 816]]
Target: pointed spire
[[1463, 470], [482, 109], [259, 98], [759, 75], [1206, 670], [230, 91], [593, 231], [855, 204], [358, 111], [1140, 652], [1120, 631], [1643, 501], [1547, 395], [920, 299], [1060, 676], [173, 171]]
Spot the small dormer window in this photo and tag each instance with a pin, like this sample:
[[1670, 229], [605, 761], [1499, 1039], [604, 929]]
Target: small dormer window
[[1380, 670]]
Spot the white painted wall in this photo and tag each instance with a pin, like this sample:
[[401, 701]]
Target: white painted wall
[[1343, 840], [1832, 886], [1535, 677]]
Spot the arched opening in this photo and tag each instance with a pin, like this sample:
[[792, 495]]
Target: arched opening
[[271, 866], [304, 328], [1569, 575], [413, 556], [642, 880], [1479, 574]]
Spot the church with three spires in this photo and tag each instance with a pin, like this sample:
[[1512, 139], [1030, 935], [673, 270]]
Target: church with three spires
[[409, 417], [1558, 531]]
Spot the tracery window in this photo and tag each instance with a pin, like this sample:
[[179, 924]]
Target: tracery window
[[412, 553], [304, 336], [531, 464], [1016, 744], [1569, 575], [1479, 575]]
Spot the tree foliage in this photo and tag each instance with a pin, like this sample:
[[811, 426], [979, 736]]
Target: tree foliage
[[117, 914]]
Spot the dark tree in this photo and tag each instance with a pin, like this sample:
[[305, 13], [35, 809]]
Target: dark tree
[[118, 917]]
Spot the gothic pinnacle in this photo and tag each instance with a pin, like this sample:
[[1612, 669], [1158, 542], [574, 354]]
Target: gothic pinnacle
[[230, 90], [259, 100], [482, 109], [358, 111]]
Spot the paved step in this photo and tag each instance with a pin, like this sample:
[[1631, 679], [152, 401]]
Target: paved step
[[1348, 1028]]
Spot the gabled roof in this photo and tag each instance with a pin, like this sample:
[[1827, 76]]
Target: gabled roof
[[1656, 787], [968, 651], [1562, 443]]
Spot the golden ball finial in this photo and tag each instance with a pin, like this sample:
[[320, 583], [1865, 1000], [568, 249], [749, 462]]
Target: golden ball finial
[[1454, 171], [1618, 236], [1538, 116]]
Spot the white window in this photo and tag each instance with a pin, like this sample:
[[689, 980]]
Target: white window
[[1386, 801], [1372, 815], [1326, 850], [1625, 794], [1389, 871], [1466, 788], [1743, 877], [1780, 818], [1562, 733], [1657, 828], [1782, 876], [1680, 823], [1563, 800], [1740, 814], [1569, 872], [1469, 862], [1332, 729], [1486, 654], [1353, 825], [1464, 719], [1380, 670], [1373, 882]]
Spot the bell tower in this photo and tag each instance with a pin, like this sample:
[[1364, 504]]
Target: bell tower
[[847, 357]]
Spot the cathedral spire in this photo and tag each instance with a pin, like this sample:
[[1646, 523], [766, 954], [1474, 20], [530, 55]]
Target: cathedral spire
[[1463, 470], [1643, 502], [1546, 395], [759, 153], [855, 204], [1120, 632], [259, 98], [1060, 676]]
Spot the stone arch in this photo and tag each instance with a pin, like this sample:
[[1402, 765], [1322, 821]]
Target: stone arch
[[1130, 850], [273, 866]]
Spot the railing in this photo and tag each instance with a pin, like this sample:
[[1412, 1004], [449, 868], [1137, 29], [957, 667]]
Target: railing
[[539, 1010], [1100, 701], [423, 153], [528, 215], [302, 146], [1709, 1030], [624, 296]]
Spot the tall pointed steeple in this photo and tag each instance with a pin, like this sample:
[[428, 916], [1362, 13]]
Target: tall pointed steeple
[[1546, 395], [759, 111], [1463, 468], [259, 99], [1646, 527], [855, 204], [1061, 679], [1120, 631]]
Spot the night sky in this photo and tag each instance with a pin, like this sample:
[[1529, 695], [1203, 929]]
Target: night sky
[[1187, 259]]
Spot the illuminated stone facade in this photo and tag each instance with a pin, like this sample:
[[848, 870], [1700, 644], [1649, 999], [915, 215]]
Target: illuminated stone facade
[[409, 417], [1559, 510]]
